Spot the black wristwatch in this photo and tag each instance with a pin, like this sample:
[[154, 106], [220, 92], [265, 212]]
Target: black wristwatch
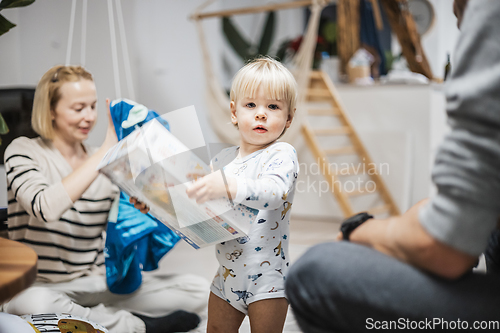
[[352, 223]]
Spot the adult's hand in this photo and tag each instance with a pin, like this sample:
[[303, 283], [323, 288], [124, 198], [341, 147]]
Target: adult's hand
[[111, 139], [139, 205], [404, 238]]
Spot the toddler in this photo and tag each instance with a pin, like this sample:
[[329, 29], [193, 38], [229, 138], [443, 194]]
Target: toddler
[[260, 173]]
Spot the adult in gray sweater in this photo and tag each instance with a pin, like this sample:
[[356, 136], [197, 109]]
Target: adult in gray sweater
[[415, 271]]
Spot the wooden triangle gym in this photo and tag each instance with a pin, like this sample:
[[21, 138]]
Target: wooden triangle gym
[[321, 89]]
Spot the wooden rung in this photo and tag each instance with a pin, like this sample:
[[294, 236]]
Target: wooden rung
[[350, 172], [322, 91], [323, 112], [380, 209], [341, 151], [316, 92], [258, 9], [357, 193], [316, 75], [333, 131]]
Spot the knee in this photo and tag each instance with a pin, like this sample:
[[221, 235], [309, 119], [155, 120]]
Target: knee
[[316, 285], [321, 271], [37, 300], [317, 261], [306, 267]]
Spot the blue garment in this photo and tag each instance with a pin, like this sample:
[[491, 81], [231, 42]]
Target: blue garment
[[369, 35], [134, 241]]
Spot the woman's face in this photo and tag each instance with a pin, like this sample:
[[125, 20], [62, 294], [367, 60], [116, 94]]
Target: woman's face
[[75, 114]]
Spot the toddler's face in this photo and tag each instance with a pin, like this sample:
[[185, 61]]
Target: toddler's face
[[261, 120]]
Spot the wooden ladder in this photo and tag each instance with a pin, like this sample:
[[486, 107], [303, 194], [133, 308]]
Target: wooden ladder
[[321, 90]]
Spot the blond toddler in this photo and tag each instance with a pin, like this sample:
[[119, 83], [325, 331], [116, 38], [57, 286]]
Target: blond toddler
[[260, 173]]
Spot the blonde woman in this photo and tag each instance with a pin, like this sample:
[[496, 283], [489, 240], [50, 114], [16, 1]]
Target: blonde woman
[[59, 204]]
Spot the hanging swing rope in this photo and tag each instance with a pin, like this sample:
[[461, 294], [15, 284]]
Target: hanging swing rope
[[303, 60], [217, 99], [83, 45], [126, 59], [70, 34], [114, 53]]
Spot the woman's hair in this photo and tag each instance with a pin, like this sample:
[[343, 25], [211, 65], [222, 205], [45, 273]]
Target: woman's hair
[[48, 94], [276, 80]]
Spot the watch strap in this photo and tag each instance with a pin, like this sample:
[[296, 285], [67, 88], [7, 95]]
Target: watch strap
[[352, 223]]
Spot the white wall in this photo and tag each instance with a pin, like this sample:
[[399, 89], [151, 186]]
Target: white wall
[[164, 50], [10, 62], [442, 37], [163, 47]]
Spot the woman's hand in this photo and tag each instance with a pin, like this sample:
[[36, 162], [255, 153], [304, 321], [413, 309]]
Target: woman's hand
[[139, 205], [111, 138], [211, 187]]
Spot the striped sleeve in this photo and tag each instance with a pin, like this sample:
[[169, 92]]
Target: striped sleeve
[[30, 187]]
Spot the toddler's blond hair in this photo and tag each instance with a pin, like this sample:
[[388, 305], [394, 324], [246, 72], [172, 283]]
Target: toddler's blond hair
[[275, 78]]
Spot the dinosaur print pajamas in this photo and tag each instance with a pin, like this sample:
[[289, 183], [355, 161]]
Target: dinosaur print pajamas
[[254, 268]]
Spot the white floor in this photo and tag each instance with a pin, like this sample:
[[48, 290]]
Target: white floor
[[304, 233]]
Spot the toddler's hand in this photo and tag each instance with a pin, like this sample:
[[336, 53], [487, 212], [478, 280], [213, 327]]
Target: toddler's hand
[[195, 176], [139, 205], [209, 187]]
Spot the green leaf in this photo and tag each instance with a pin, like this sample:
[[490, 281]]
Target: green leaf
[[15, 3], [239, 44], [3, 126], [267, 34], [389, 60], [330, 32], [5, 25], [281, 53]]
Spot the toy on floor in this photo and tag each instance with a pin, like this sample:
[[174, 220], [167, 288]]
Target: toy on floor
[[64, 323]]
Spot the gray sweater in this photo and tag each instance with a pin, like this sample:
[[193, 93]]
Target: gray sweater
[[467, 167]]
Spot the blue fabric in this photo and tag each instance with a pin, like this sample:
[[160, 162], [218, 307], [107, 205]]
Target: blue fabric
[[135, 241], [368, 33], [120, 111]]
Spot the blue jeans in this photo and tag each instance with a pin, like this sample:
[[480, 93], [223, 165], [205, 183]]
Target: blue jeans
[[345, 287]]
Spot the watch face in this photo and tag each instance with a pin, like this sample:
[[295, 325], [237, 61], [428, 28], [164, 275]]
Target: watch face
[[423, 14]]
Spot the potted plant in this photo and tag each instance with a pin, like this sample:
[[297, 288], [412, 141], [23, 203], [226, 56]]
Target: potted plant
[[6, 25]]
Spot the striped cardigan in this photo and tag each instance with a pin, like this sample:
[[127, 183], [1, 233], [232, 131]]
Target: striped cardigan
[[67, 236]]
